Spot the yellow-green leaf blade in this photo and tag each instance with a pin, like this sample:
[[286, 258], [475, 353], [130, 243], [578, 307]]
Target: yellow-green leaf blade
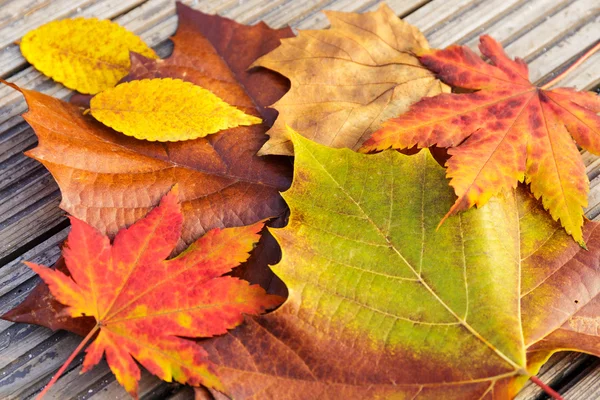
[[84, 54], [380, 302], [166, 110], [360, 323], [362, 236]]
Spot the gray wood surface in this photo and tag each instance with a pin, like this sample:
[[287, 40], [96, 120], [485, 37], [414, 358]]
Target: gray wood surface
[[548, 34]]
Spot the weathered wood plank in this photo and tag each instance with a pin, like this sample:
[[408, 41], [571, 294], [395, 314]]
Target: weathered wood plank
[[588, 387], [435, 13], [554, 26], [15, 273], [318, 20], [30, 223], [251, 10], [28, 373], [34, 188], [457, 29], [520, 20], [70, 387], [184, 393], [20, 340]]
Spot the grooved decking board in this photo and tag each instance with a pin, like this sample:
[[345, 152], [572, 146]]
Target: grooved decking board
[[549, 34]]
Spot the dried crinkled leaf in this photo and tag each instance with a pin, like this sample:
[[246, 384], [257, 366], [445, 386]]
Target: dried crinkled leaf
[[166, 110], [507, 131], [384, 305], [84, 54], [110, 180], [144, 305], [347, 79]]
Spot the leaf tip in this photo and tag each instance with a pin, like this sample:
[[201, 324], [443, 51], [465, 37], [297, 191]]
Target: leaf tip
[[487, 38], [422, 52], [170, 200], [174, 191], [31, 265], [439, 225], [293, 136]]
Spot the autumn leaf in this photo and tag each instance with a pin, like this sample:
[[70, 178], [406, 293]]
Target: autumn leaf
[[143, 304], [348, 79], [40, 307], [84, 54], [384, 305], [166, 110], [509, 130], [110, 180]]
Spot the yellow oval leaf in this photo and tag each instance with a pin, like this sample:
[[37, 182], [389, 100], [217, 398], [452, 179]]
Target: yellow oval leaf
[[84, 54], [166, 110]]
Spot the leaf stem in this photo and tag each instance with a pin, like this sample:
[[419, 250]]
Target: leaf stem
[[549, 391], [67, 362], [577, 63]]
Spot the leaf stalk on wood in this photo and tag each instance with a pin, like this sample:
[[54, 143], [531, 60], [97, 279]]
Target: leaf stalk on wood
[[549, 391], [68, 362], [571, 67]]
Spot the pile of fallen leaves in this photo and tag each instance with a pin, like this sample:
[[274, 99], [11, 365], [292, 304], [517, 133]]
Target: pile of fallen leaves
[[389, 283]]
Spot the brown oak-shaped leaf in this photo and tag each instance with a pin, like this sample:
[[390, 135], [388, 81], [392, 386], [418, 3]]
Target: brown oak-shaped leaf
[[109, 180], [348, 79]]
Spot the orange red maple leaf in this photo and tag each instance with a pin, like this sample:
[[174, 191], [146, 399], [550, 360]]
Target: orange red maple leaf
[[509, 130], [144, 305]]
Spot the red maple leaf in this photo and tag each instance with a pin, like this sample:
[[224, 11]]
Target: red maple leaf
[[509, 130], [145, 305]]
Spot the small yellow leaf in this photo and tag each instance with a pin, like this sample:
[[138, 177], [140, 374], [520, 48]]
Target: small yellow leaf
[[84, 54], [166, 110]]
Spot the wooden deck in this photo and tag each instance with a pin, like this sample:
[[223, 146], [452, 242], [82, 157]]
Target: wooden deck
[[548, 34]]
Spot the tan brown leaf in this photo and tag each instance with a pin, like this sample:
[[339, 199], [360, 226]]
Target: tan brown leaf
[[348, 79]]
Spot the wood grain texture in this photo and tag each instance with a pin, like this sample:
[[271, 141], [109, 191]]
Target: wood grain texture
[[549, 34]]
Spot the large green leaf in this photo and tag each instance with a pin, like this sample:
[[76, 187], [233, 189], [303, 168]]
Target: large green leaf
[[383, 304]]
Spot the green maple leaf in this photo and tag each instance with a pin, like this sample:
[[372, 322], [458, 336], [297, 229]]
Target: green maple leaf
[[383, 305]]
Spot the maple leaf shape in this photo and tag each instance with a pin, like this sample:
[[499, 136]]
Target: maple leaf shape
[[507, 131], [144, 305], [347, 79], [109, 180], [383, 304]]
